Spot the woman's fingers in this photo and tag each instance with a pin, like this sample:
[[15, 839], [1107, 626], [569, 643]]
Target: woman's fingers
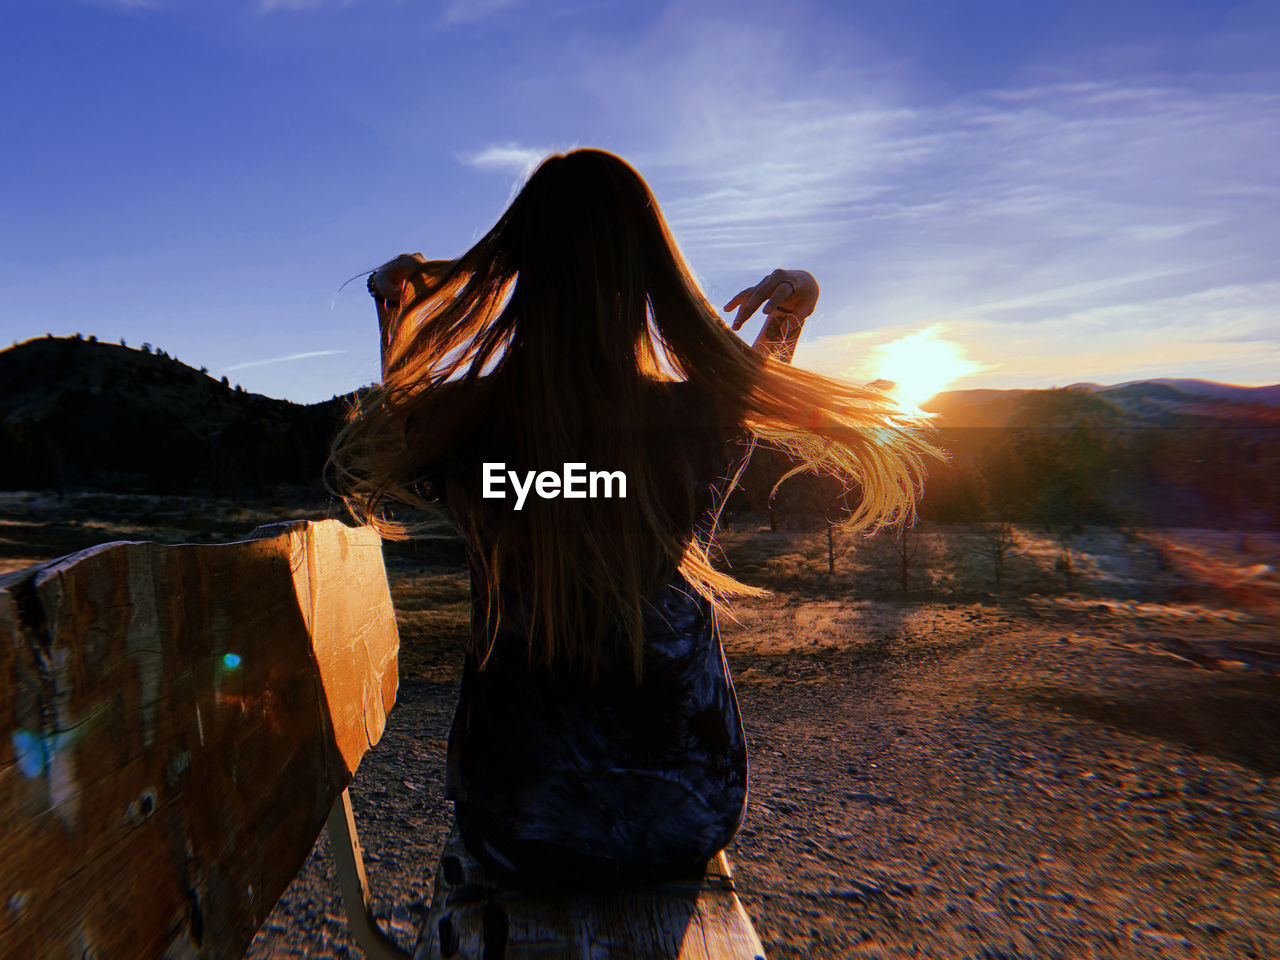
[[740, 301], [754, 298], [792, 291], [749, 306]]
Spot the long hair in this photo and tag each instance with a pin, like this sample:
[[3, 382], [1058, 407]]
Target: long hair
[[544, 344]]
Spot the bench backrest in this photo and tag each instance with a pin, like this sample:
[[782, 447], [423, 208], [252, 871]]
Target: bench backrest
[[176, 723]]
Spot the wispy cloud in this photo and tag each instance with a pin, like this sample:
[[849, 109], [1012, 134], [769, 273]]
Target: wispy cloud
[[517, 161], [506, 157], [285, 359]]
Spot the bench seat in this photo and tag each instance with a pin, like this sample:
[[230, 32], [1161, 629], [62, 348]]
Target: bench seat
[[472, 918]]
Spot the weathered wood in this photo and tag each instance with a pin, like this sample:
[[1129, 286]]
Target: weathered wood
[[175, 724], [348, 862], [472, 918]]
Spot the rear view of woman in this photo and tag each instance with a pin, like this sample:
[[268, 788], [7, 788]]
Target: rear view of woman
[[597, 736]]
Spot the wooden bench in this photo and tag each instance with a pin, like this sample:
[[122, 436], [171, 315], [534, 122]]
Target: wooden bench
[[178, 723]]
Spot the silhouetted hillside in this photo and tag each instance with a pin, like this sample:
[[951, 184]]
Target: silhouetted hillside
[[1148, 452], [1218, 391], [1137, 403], [80, 413]]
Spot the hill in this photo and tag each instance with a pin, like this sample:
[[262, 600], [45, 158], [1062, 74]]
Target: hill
[[1218, 391], [1181, 453], [80, 413], [1178, 453], [1138, 403]]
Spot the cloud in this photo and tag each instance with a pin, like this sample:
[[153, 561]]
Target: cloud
[[1268, 334], [1036, 179], [515, 160], [509, 157], [743, 146], [285, 359]]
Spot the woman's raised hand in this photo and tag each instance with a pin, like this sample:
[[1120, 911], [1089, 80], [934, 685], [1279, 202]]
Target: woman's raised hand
[[791, 291], [390, 281], [397, 285], [788, 298]]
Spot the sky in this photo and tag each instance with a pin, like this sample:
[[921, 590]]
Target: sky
[[1044, 193]]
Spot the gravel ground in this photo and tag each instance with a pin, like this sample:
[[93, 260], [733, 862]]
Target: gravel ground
[[1038, 779]]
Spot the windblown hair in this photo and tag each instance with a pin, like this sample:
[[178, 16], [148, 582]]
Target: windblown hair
[[544, 344]]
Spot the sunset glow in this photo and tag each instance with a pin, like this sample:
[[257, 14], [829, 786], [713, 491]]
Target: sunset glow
[[922, 364]]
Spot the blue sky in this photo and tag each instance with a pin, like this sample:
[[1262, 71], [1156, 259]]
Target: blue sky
[[1066, 192]]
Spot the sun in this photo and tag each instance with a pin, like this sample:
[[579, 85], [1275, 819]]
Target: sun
[[922, 364]]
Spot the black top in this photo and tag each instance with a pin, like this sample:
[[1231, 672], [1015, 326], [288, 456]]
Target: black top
[[557, 777]]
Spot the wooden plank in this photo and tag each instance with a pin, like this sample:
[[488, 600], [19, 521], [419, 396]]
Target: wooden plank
[[472, 918], [175, 724]]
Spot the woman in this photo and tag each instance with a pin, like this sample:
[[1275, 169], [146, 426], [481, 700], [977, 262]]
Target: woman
[[597, 736]]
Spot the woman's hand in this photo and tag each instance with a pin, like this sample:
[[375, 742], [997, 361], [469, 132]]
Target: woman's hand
[[788, 297], [393, 280], [396, 285]]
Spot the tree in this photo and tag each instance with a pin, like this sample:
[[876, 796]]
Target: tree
[[905, 541], [953, 494], [837, 504], [999, 540], [1065, 566]]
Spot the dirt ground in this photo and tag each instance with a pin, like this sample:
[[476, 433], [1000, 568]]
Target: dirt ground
[[957, 771]]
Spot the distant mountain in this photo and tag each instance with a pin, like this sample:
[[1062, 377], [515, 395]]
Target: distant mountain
[[1218, 391], [1163, 402], [76, 412]]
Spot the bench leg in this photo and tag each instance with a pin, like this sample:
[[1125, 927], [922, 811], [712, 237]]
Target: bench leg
[[345, 845]]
